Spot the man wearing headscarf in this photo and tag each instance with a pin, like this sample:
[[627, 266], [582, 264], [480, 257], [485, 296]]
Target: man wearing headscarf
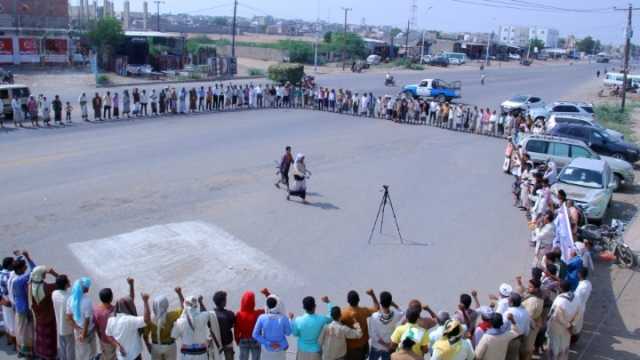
[[272, 329], [197, 330], [300, 174], [41, 305], [80, 313], [246, 320], [124, 329], [158, 332], [8, 314], [453, 345], [23, 267]]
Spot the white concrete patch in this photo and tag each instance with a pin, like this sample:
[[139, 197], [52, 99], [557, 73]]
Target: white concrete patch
[[198, 256]]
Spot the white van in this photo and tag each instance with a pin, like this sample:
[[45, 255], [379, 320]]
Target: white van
[[615, 79], [8, 92]]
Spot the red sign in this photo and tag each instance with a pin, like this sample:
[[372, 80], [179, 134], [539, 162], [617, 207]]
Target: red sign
[[6, 46], [28, 46], [56, 46]]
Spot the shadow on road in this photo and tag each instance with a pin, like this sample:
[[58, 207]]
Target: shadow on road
[[607, 333]]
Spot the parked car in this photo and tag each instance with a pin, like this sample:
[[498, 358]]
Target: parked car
[[434, 88], [8, 92], [374, 59], [588, 182], [562, 107], [599, 141], [514, 56], [561, 150], [555, 119], [522, 102], [438, 61]]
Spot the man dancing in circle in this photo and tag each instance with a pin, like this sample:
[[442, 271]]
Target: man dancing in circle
[[285, 165]]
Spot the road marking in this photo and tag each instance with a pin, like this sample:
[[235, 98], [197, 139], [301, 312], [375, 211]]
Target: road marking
[[195, 255]]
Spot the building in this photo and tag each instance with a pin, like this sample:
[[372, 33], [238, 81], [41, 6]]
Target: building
[[547, 35], [513, 35]]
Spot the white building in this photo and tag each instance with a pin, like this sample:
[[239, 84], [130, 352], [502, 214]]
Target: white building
[[547, 35], [513, 35]]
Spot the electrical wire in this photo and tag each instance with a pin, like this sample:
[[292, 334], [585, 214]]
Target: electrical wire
[[531, 6]]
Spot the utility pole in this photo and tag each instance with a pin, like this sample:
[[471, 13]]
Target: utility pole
[[628, 34], [158, 2], [315, 45], [406, 41], [489, 38], [233, 29], [344, 45]]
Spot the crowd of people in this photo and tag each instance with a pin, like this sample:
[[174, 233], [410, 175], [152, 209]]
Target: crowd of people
[[40, 110], [48, 315]]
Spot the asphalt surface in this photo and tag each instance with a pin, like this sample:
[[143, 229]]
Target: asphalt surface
[[70, 194]]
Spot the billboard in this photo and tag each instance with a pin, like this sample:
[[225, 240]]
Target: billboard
[[6, 46], [28, 46]]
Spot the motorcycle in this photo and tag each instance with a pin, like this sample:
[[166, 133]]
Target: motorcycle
[[608, 238], [390, 81]]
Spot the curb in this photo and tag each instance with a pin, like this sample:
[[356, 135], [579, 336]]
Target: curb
[[151, 83]]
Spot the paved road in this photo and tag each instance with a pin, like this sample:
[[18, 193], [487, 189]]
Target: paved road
[[190, 200]]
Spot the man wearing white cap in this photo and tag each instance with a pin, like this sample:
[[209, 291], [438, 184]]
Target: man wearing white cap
[[502, 302]]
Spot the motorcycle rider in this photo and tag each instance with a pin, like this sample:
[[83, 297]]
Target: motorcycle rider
[[388, 79]]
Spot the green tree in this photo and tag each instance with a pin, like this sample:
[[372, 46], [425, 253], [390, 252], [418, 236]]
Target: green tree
[[536, 43], [587, 45], [105, 35], [299, 51], [352, 44], [392, 34], [327, 37], [220, 21]]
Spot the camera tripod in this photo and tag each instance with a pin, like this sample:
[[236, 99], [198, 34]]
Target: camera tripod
[[386, 198]]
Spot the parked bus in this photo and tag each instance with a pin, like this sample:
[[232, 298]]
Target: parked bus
[[455, 58], [615, 79]]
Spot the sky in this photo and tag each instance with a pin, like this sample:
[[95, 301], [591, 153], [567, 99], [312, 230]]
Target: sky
[[445, 15]]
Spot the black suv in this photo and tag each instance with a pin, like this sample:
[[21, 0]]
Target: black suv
[[599, 141]]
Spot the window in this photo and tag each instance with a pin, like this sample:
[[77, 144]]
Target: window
[[565, 108], [20, 92], [424, 83], [588, 109], [537, 146], [579, 151], [558, 149], [534, 100], [579, 132]]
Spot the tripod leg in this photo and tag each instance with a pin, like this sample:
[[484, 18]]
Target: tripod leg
[[395, 218], [384, 205], [376, 221]]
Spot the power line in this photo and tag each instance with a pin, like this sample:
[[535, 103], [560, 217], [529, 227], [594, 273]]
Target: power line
[[529, 6]]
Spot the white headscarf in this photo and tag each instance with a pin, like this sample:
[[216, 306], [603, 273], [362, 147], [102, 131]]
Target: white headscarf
[[37, 283], [278, 309], [299, 157], [160, 308], [191, 310]]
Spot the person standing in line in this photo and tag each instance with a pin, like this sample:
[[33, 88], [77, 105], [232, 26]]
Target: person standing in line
[[46, 111], [411, 329], [333, 337], [144, 100], [582, 294], [158, 333], [16, 108], [562, 315], [101, 314], [115, 104], [32, 108], [153, 99], [83, 107], [106, 103], [209, 99], [44, 318], [523, 321], [64, 328], [125, 327], [534, 304], [126, 104], [245, 322], [96, 103], [307, 329], [196, 330], [381, 326], [285, 165], [80, 314], [357, 349], [183, 101], [8, 313], [494, 343], [404, 352], [68, 109], [162, 101], [272, 329], [22, 269], [453, 345], [136, 102], [226, 321], [201, 98], [56, 104]]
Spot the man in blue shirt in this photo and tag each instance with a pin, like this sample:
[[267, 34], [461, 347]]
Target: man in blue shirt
[[307, 328], [24, 321]]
